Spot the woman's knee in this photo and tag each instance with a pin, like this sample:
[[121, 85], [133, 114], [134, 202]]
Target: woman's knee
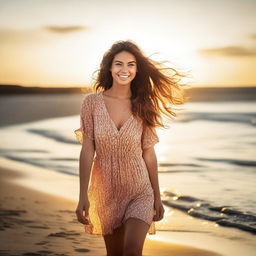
[[134, 237], [130, 250], [114, 242]]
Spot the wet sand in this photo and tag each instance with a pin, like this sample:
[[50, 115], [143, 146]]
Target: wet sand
[[36, 223]]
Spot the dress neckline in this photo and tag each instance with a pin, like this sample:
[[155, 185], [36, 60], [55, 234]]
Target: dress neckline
[[111, 120]]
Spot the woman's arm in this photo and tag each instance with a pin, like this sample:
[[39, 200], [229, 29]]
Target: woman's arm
[[85, 165], [150, 159]]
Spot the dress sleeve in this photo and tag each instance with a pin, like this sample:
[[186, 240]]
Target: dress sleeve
[[86, 120], [149, 137]]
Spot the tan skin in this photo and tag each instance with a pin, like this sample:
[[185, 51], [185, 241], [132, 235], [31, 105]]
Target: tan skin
[[129, 238]]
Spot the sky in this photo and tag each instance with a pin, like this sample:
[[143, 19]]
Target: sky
[[62, 42]]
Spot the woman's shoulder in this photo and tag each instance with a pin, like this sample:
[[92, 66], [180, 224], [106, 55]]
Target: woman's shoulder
[[90, 98]]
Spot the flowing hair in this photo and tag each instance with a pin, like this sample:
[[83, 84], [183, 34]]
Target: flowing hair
[[154, 87]]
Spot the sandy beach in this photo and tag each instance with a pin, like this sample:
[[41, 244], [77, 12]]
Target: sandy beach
[[36, 223]]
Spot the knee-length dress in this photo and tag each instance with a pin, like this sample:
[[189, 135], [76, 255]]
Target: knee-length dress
[[119, 186]]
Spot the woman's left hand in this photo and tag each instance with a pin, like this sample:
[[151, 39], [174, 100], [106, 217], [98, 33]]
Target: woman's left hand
[[158, 205]]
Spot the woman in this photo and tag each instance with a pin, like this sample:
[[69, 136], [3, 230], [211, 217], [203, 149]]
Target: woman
[[118, 124]]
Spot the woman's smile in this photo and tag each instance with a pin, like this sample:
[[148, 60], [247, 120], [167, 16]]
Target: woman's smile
[[123, 76]]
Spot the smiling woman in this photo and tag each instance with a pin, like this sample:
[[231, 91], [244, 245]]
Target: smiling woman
[[118, 124], [152, 83]]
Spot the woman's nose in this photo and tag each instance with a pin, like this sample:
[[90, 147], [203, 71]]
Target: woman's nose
[[124, 68]]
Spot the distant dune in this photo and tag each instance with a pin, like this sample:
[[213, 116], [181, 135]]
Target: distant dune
[[18, 89], [222, 94], [194, 94]]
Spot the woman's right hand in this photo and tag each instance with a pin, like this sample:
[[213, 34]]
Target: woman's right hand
[[82, 211]]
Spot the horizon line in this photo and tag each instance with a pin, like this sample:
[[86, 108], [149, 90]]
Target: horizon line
[[189, 86]]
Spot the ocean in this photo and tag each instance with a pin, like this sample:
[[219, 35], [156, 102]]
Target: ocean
[[206, 159]]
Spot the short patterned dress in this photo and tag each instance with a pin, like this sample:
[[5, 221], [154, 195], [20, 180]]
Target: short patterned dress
[[119, 186]]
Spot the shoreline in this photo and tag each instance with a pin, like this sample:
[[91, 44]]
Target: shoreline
[[37, 222]]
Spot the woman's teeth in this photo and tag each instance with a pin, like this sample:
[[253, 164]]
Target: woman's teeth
[[123, 76]]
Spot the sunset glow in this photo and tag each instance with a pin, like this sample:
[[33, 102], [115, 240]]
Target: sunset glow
[[53, 43]]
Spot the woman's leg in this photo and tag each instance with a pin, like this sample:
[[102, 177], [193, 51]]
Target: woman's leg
[[114, 242], [134, 236]]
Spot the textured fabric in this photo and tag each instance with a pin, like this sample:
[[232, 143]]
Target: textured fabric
[[120, 186]]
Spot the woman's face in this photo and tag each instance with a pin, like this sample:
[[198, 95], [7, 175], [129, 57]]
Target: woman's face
[[123, 68]]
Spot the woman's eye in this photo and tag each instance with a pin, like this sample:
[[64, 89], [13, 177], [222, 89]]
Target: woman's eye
[[119, 64]]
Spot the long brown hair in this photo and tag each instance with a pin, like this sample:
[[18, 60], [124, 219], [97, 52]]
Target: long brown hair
[[153, 88]]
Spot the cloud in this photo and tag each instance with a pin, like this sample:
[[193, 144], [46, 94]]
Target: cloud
[[34, 36], [229, 51], [64, 29]]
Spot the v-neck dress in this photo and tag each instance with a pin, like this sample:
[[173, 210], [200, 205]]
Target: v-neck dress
[[119, 186]]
